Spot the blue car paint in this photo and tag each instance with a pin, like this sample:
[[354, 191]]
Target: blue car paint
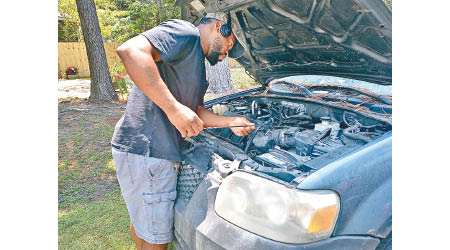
[[363, 180]]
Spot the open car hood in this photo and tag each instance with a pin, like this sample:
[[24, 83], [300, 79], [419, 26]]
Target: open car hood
[[345, 38]]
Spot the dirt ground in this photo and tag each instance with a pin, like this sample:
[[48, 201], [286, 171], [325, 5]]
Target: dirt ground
[[73, 108], [73, 105]]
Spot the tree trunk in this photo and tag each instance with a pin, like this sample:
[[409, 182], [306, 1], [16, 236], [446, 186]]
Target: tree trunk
[[102, 89], [219, 77], [159, 4]]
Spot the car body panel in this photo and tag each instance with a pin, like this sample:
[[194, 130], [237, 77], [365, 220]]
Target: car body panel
[[366, 198]]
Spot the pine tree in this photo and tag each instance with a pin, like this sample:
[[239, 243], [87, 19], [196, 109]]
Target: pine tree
[[102, 89]]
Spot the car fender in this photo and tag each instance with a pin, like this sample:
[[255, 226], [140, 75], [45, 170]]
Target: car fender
[[363, 181]]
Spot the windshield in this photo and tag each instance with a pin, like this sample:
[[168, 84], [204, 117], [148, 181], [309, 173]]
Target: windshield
[[314, 79]]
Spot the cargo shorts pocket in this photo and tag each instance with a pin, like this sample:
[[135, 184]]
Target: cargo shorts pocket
[[160, 212]]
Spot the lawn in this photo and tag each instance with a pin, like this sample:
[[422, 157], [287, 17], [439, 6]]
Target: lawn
[[91, 210]]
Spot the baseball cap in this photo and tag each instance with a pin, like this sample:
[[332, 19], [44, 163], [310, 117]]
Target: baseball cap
[[238, 49]]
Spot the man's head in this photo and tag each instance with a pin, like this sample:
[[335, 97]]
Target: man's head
[[221, 41]]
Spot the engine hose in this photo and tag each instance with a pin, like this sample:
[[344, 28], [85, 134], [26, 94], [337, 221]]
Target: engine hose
[[301, 117], [345, 120], [371, 133], [253, 135], [351, 135], [249, 142], [358, 123], [303, 123]]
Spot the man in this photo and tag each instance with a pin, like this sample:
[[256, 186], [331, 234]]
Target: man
[[166, 64]]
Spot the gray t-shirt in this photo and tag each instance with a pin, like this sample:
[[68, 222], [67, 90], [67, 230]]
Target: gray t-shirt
[[144, 129]]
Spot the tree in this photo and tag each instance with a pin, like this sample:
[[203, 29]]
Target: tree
[[219, 77], [102, 89]]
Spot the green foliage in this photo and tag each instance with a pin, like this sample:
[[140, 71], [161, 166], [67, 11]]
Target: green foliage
[[135, 17], [119, 76], [119, 20], [121, 85], [68, 28], [116, 69]]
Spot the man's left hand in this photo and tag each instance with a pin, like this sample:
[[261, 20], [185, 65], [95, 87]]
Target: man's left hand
[[241, 121]]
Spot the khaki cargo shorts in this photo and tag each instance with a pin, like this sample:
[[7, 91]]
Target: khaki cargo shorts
[[148, 187]]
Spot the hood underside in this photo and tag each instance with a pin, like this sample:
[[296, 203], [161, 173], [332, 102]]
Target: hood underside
[[345, 38]]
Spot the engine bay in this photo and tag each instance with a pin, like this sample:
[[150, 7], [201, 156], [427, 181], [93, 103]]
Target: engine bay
[[291, 140]]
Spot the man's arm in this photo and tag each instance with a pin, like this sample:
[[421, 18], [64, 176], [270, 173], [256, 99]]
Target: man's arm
[[139, 57], [211, 119]]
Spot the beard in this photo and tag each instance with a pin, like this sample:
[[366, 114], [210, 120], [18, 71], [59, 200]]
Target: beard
[[213, 58], [213, 55]]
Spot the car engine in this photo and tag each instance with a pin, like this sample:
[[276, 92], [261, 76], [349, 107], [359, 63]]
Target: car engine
[[291, 140]]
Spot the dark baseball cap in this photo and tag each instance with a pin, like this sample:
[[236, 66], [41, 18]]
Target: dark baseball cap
[[238, 49]]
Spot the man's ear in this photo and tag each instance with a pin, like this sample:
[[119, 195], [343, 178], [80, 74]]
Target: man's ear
[[218, 24]]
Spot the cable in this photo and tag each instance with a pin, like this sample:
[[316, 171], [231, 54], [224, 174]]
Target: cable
[[357, 123], [253, 135], [347, 132]]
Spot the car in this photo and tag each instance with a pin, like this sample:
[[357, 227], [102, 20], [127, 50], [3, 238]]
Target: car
[[316, 172]]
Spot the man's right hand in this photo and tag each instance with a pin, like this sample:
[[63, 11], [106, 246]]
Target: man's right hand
[[185, 120]]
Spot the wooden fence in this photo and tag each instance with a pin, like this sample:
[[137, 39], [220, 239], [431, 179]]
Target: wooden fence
[[73, 54]]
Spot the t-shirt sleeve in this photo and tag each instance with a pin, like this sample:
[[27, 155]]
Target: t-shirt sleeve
[[173, 39]]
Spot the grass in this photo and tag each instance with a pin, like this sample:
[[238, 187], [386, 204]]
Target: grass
[[98, 225], [103, 224], [91, 210]]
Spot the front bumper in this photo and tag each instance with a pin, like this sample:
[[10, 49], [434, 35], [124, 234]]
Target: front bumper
[[197, 226]]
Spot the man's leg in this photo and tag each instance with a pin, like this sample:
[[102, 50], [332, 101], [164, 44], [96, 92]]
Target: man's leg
[[148, 186], [137, 240], [142, 244], [148, 246]]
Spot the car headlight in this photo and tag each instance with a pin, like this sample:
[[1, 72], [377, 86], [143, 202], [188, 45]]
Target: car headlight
[[275, 211]]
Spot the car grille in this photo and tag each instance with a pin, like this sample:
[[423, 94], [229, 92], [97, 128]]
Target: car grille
[[188, 180]]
